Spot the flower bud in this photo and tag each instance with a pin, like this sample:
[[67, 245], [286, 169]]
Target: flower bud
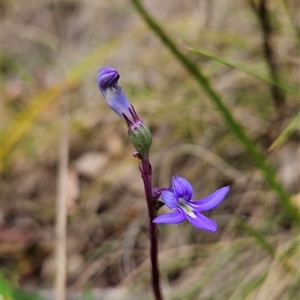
[[139, 133], [141, 138], [107, 81]]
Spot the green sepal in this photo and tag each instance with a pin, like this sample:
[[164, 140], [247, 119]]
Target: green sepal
[[141, 138]]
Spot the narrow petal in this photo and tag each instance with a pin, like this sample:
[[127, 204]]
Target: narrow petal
[[175, 217], [210, 201], [182, 188], [117, 101], [202, 222], [169, 199]]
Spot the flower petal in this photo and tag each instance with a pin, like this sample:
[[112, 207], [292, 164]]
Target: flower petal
[[117, 101], [169, 199], [107, 80], [202, 222], [210, 201], [175, 217], [107, 77], [182, 188]]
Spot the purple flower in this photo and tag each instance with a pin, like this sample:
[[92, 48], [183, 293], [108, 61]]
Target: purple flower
[[107, 80], [179, 198]]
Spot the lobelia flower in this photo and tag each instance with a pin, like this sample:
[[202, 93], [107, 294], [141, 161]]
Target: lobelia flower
[[139, 133], [179, 198], [107, 80]]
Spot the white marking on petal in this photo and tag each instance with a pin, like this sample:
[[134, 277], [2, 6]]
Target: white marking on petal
[[188, 210]]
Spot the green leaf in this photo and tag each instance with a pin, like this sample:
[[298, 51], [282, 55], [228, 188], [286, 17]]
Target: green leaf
[[247, 70], [287, 132], [5, 290]]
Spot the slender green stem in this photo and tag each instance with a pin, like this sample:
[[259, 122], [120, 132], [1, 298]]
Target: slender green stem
[[250, 71], [286, 133], [236, 128]]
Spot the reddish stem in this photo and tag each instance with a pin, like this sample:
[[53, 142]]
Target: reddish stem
[[146, 174]]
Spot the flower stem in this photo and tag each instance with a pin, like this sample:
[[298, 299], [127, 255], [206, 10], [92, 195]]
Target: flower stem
[[146, 174]]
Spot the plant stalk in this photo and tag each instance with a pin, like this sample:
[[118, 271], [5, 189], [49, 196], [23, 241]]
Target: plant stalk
[[146, 174]]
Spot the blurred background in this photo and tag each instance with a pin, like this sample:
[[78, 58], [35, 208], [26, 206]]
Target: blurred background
[[53, 112]]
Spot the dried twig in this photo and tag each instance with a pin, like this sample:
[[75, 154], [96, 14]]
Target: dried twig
[[261, 10], [61, 206], [62, 178]]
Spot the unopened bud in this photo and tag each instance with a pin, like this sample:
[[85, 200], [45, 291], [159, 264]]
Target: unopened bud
[[141, 138]]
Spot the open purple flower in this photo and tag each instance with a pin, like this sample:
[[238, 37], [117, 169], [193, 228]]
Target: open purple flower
[[178, 198]]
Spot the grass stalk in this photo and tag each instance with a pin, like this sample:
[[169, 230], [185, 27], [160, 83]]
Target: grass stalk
[[61, 206]]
